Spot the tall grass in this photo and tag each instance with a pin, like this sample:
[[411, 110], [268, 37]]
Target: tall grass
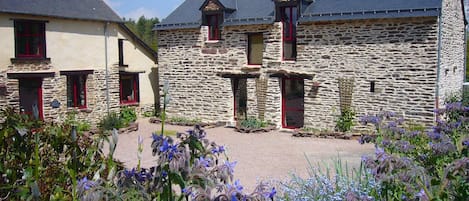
[[323, 183]]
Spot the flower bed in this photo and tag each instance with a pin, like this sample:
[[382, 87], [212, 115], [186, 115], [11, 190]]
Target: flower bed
[[325, 134]]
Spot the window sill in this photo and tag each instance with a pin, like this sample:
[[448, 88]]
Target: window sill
[[130, 104], [288, 61], [212, 41], [30, 60], [249, 68], [75, 109]]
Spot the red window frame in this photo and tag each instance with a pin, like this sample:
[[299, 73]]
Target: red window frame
[[286, 109], [39, 96], [213, 26], [289, 34], [28, 36], [135, 88], [76, 89]]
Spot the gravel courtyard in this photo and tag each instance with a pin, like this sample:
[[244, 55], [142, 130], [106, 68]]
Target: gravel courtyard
[[267, 156]]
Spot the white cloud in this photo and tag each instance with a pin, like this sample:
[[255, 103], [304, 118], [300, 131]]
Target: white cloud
[[137, 13]]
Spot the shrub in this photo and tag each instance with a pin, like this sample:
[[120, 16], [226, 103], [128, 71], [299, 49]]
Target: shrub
[[184, 120], [426, 165], [340, 184], [345, 121], [128, 115], [40, 161], [253, 123], [111, 121]]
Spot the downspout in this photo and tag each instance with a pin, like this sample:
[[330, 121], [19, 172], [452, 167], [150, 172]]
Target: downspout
[[106, 66], [437, 93]]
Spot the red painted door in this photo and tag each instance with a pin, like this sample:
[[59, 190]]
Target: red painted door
[[31, 97], [292, 102]]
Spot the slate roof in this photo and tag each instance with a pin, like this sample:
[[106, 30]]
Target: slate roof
[[188, 15], [71, 9], [327, 10]]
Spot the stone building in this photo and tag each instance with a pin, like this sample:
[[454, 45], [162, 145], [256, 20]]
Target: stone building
[[299, 63], [59, 57]]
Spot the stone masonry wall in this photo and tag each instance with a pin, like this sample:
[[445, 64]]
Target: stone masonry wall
[[452, 70], [55, 88], [400, 55]]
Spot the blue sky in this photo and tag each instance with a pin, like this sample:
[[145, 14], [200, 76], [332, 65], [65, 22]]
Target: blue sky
[[149, 8]]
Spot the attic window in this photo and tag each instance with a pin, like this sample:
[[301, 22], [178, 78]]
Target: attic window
[[213, 23]]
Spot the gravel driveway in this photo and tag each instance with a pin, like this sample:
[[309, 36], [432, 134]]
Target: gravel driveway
[[267, 156]]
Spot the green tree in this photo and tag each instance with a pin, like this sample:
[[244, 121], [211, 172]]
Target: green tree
[[143, 28]]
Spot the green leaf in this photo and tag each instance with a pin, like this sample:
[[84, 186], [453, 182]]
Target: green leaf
[[177, 178]]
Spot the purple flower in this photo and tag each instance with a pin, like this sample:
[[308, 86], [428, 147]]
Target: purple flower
[[86, 184], [218, 150], [404, 146], [238, 185], [466, 142], [230, 166], [129, 173], [434, 135], [157, 137], [164, 174], [272, 193], [165, 146], [204, 162]]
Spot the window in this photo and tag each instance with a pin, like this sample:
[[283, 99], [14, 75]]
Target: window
[[129, 88], [76, 91], [213, 22], [30, 40], [255, 48], [288, 15], [121, 52]]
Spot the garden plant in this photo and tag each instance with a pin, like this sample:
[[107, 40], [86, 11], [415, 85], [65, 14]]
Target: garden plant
[[429, 164]]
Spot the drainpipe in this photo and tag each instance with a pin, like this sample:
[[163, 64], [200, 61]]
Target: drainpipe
[[106, 66], [437, 93]]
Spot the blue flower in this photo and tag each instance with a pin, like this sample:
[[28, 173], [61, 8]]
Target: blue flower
[[129, 173], [230, 166], [434, 135], [238, 185], [272, 193], [164, 174], [466, 142], [204, 162], [157, 137], [221, 149], [165, 146], [86, 184]]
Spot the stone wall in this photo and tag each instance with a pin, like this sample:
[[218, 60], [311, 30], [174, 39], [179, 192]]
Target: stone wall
[[399, 55], [451, 69], [55, 88]]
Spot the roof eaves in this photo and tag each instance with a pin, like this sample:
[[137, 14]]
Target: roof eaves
[[187, 25], [249, 21], [372, 14], [64, 17]]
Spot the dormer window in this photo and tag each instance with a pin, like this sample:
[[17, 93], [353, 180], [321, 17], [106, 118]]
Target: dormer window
[[212, 17], [289, 18], [287, 14], [213, 23]]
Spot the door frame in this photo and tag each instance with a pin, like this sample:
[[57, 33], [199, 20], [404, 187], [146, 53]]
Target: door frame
[[284, 107], [39, 94]]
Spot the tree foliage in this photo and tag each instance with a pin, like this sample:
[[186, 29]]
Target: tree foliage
[[143, 29]]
